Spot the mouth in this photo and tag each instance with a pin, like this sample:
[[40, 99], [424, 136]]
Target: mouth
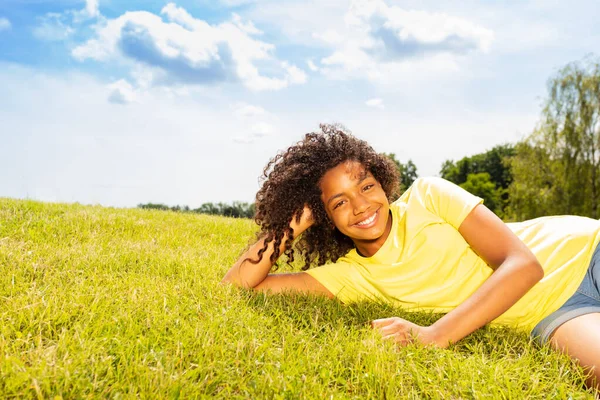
[[368, 222]]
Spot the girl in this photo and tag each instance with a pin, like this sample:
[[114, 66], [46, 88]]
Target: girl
[[436, 248]]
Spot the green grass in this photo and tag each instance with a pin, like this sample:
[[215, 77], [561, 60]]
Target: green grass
[[126, 303]]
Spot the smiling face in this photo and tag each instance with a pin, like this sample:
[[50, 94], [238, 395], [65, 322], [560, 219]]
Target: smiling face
[[357, 205]]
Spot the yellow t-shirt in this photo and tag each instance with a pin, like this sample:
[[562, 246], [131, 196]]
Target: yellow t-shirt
[[426, 264]]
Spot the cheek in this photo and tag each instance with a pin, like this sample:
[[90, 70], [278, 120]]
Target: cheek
[[382, 196], [340, 220], [332, 218]]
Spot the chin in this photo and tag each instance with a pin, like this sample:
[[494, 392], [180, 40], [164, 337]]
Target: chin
[[373, 233], [376, 231], [373, 236]]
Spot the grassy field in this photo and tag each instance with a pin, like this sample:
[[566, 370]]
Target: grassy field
[[125, 303]]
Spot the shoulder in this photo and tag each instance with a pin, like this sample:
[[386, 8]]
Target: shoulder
[[442, 198], [430, 185], [432, 182]]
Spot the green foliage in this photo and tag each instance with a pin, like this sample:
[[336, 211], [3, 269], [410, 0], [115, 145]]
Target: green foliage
[[164, 207], [492, 161], [408, 172], [106, 303], [481, 185], [237, 209], [557, 168], [531, 191], [467, 173]]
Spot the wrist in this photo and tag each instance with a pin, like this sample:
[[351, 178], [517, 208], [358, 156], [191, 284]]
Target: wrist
[[301, 221], [437, 336], [299, 227]]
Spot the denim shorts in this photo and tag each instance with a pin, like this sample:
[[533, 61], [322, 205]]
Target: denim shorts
[[586, 300]]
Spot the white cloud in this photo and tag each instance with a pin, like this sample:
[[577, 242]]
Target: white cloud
[[371, 39], [399, 75], [382, 34], [261, 129], [376, 103], [121, 92], [330, 36], [312, 66], [180, 16], [91, 6], [350, 57], [5, 24], [243, 139], [60, 26], [407, 32], [53, 27], [294, 74], [258, 131], [247, 27], [236, 3], [90, 11], [255, 116], [244, 110], [186, 50], [298, 20]]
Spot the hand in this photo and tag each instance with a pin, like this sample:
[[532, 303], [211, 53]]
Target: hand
[[405, 332], [306, 221]]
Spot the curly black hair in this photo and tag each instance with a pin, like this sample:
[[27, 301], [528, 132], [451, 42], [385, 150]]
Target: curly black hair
[[291, 180]]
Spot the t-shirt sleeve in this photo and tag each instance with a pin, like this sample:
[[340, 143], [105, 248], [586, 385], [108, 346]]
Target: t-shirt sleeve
[[446, 199], [344, 280]]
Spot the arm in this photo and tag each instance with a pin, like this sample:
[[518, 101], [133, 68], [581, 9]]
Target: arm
[[516, 270], [248, 275]]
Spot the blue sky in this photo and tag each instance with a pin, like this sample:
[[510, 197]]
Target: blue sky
[[119, 103]]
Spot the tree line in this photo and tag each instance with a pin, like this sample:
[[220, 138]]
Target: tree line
[[554, 170], [237, 209]]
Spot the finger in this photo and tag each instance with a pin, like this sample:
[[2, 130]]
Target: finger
[[399, 339], [393, 328], [395, 336], [390, 338], [377, 323]]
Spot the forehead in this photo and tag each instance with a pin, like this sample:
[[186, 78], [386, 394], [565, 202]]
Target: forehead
[[344, 173]]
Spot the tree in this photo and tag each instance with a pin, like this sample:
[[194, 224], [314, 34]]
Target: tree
[[530, 193], [467, 173], [492, 161], [154, 206], [567, 144], [408, 172], [481, 185]]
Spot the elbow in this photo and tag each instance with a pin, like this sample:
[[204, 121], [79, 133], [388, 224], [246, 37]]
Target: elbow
[[228, 279], [536, 271]]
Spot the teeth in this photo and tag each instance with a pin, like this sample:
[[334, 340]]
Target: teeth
[[368, 220]]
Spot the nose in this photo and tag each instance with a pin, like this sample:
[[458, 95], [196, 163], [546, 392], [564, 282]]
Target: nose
[[360, 204]]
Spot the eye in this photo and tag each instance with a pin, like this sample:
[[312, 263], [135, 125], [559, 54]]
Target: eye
[[338, 204], [367, 187]]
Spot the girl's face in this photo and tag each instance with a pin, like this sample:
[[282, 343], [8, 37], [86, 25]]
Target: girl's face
[[357, 205]]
